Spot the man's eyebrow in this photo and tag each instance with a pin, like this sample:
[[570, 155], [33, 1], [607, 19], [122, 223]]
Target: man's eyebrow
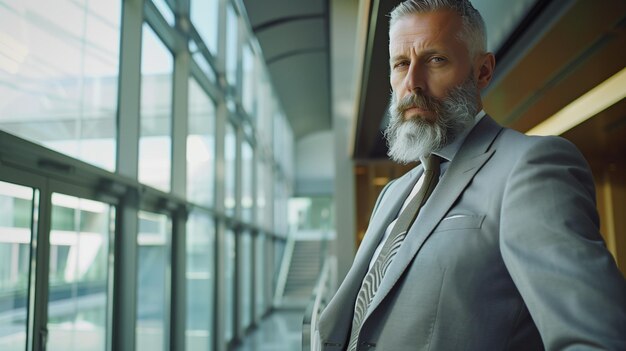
[[398, 58], [426, 52]]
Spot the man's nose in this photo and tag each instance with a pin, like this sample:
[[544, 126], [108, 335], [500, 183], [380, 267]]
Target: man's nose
[[415, 78]]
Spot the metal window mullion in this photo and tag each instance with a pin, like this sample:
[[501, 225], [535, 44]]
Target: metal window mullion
[[110, 278], [269, 276], [180, 123], [238, 328], [167, 285], [238, 171], [238, 325], [181, 7], [179, 185], [127, 222], [170, 36], [221, 257], [241, 39], [37, 331], [253, 290], [211, 89], [221, 116], [255, 237]]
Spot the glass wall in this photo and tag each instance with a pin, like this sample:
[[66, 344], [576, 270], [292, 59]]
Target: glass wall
[[59, 65], [90, 82], [200, 282], [230, 170], [153, 281], [245, 280], [261, 193], [155, 142], [247, 174], [260, 276], [200, 146], [78, 273], [16, 209], [232, 44], [229, 283], [249, 80], [311, 214], [204, 15]]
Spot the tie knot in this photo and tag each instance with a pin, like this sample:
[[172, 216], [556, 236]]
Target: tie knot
[[431, 162]]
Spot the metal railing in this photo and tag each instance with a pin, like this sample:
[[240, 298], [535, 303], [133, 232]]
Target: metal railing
[[284, 270], [321, 295]]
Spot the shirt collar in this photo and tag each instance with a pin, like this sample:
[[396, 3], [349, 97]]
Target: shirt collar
[[449, 151]]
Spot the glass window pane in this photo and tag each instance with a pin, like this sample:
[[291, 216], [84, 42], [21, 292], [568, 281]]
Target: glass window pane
[[311, 214], [278, 137], [201, 61], [156, 111], [266, 200], [260, 193], [245, 281], [260, 276], [247, 169], [266, 104], [280, 207], [200, 282], [59, 63], [232, 44], [16, 208], [230, 155], [204, 17], [166, 11], [152, 280], [248, 77], [200, 146], [78, 273], [229, 277], [278, 246]]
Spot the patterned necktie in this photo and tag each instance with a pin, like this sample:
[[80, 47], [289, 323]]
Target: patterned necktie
[[390, 248]]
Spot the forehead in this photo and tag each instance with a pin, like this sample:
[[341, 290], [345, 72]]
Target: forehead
[[428, 29]]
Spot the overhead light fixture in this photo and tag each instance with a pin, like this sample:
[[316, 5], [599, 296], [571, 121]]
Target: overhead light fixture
[[588, 105]]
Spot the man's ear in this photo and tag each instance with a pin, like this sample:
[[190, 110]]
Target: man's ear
[[485, 65]]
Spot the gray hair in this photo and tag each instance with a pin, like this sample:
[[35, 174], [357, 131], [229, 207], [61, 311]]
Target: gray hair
[[473, 34]]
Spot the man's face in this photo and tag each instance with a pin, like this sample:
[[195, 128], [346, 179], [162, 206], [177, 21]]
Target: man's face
[[427, 57], [435, 84]]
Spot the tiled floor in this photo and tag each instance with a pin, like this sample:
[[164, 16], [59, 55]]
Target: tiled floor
[[280, 331]]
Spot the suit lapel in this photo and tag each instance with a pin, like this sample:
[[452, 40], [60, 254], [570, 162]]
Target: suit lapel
[[471, 157], [335, 316]]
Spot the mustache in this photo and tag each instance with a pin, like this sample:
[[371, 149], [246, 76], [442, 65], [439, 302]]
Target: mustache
[[419, 100]]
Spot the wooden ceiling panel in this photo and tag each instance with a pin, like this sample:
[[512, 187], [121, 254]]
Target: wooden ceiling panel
[[602, 138], [583, 24], [600, 63]]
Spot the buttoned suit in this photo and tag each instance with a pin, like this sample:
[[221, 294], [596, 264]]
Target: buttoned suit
[[505, 255]]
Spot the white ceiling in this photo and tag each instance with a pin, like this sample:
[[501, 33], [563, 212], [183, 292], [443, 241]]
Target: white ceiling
[[293, 35]]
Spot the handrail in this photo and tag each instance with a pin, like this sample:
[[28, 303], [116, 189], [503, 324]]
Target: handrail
[[284, 270], [317, 303]]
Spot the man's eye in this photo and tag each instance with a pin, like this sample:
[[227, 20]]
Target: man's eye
[[400, 64], [437, 59]]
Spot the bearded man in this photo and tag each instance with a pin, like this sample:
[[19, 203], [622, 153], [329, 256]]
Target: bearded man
[[492, 242]]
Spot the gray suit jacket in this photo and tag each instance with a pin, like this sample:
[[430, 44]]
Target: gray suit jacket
[[505, 255]]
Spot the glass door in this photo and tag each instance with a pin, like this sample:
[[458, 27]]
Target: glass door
[[17, 204], [79, 270]]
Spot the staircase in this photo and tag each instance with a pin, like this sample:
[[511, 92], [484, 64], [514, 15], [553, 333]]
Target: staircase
[[303, 272]]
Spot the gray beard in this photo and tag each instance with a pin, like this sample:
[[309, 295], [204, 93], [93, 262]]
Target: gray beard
[[410, 140]]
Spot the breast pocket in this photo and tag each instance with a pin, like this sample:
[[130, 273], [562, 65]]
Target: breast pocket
[[460, 221]]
